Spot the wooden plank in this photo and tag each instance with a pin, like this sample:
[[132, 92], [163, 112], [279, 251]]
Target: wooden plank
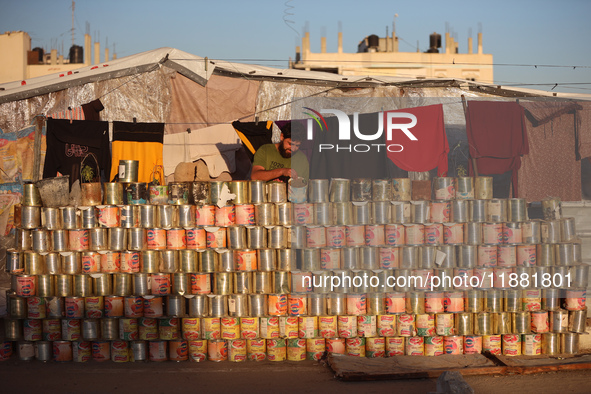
[[534, 361], [350, 368], [407, 367]]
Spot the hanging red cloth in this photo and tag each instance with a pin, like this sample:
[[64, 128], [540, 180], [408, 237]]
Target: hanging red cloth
[[497, 136], [431, 147]]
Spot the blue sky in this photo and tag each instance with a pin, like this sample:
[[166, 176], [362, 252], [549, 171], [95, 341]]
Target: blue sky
[[520, 34]]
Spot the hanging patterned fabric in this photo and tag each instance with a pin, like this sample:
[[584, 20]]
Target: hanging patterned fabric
[[69, 141], [137, 141]]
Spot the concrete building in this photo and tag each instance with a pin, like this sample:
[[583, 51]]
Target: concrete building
[[19, 62], [380, 56]]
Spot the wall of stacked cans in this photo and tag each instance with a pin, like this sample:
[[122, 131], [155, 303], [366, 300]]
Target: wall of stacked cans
[[368, 268]]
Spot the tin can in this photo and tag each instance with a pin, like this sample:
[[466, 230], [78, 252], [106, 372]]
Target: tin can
[[81, 351], [575, 299], [296, 349], [256, 349], [355, 235], [158, 351], [197, 350], [492, 233], [415, 346], [168, 328], [62, 351], [395, 302], [156, 238], [315, 348], [355, 347], [511, 345], [569, 343], [74, 307], [276, 349], [532, 345], [178, 350], [453, 233], [425, 325], [434, 346], [36, 308], [472, 344], [120, 351], [453, 344], [356, 304], [532, 299], [406, 325], [550, 343], [526, 255], [32, 330], [244, 215], [444, 324], [205, 215], [395, 346], [229, 328], [347, 326], [492, 344], [101, 351]]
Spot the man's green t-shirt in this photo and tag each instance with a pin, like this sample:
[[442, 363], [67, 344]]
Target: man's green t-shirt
[[268, 157]]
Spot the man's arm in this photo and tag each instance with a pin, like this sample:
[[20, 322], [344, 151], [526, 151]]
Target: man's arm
[[259, 173]]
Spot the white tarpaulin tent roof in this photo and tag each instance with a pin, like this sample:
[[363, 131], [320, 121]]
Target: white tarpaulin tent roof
[[200, 69]]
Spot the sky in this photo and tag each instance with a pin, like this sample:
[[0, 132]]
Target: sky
[[538, 44]]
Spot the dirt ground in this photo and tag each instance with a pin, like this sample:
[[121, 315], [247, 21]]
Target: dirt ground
[[247, 377]]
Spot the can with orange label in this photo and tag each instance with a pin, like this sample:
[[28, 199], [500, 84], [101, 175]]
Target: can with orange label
[[178, 350], [453, 344], [101, 351], [395, 302], [205, 215], [62, 351], [217, 350]]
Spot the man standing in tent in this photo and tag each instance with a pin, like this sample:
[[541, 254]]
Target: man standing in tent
[[281, 161]]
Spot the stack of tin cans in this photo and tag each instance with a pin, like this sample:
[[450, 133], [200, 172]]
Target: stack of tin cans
[[246, 270]]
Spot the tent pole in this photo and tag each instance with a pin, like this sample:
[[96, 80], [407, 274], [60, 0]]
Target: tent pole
[[39, 121]]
